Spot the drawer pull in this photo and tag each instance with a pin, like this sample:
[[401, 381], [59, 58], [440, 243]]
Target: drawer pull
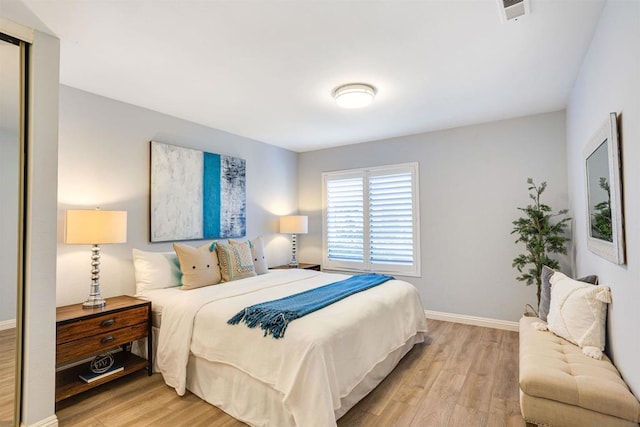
[[106, 339], [108, 322]]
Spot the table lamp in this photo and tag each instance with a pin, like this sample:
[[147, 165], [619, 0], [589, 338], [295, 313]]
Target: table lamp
[[294, 224], [95, 227]]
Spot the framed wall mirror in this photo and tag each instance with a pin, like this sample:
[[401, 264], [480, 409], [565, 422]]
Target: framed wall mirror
[[13, 71], [605, 226]]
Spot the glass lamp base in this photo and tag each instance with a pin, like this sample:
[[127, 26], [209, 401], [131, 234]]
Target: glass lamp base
[[94, 303]]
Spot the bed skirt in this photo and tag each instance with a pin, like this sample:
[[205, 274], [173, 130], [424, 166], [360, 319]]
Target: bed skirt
[[256, 403]]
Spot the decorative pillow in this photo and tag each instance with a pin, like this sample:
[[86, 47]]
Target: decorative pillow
[[155, 270], [578, 313], [545, 292], [199, 266], [257, 253], [235, 261]]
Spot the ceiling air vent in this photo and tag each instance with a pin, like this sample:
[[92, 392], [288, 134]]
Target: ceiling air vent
[[511, 10]]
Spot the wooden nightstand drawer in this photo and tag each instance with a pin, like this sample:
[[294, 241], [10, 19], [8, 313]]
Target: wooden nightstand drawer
[[81, 333], [71, 350], [100, 324]]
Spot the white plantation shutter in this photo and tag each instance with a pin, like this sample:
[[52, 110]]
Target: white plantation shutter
[[345, 220], [371, 220], [391, 219]]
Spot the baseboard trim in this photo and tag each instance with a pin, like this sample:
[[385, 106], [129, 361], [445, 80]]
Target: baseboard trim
[[7, 324], [51, 421], [472, 320]]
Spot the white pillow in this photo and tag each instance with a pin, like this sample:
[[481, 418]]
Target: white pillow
[[578, 313], [259, 259], [155, 270]]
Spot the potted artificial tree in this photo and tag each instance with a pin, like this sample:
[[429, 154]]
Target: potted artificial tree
[[541, 237]]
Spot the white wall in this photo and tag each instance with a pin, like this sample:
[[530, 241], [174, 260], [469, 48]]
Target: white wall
[[39, 331], [38, 380], [104, 161], [609, 81], [471, 181]]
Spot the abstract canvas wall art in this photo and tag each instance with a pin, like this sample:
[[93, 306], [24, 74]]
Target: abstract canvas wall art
[[196, 194]]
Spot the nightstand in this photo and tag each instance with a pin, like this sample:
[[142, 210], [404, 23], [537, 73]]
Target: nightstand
[[303, 266], [83, 333]]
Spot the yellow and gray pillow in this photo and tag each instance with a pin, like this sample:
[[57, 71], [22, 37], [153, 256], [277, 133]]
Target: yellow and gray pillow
[[236, 261], [257, 253]]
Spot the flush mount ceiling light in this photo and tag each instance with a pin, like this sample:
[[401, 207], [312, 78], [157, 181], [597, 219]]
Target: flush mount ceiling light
[[354, 95]]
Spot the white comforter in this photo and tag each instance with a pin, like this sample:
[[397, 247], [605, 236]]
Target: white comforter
[[322, 356]]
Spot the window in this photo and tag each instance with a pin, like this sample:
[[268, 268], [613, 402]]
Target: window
[[370, 219]]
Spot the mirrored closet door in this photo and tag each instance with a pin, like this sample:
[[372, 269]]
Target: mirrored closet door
[[12, 158]]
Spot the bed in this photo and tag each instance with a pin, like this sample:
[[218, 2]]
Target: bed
[[326, 362]]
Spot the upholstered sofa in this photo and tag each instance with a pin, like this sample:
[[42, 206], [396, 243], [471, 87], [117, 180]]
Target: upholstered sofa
[[561, 386]]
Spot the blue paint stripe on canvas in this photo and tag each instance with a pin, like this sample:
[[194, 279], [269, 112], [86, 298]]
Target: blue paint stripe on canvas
[[211, 196]]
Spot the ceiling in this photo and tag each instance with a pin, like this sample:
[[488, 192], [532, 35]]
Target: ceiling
[[266, 69]]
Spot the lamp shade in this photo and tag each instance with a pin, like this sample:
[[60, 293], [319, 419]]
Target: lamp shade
[[95, 227], [294, 224]]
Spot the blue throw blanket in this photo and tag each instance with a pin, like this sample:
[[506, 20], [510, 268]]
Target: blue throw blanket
[[274, 316]]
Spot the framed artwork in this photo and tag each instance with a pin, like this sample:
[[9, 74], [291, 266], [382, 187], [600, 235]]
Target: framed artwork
[[196, 195], [605, 222]]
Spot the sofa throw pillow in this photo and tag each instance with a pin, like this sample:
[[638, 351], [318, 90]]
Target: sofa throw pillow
[[578, 313], [235, 261], [257, 253], [545, 292], [199, 266], [155, 270]]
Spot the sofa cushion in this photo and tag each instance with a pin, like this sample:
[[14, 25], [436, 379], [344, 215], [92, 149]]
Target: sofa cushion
[[553, 368], [546, 413]]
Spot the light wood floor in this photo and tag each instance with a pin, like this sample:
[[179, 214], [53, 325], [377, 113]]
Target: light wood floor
[[7, 375], [462, 376]]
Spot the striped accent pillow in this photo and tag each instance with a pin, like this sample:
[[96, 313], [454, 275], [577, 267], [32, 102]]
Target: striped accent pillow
[[236, 261], [257, 253]]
